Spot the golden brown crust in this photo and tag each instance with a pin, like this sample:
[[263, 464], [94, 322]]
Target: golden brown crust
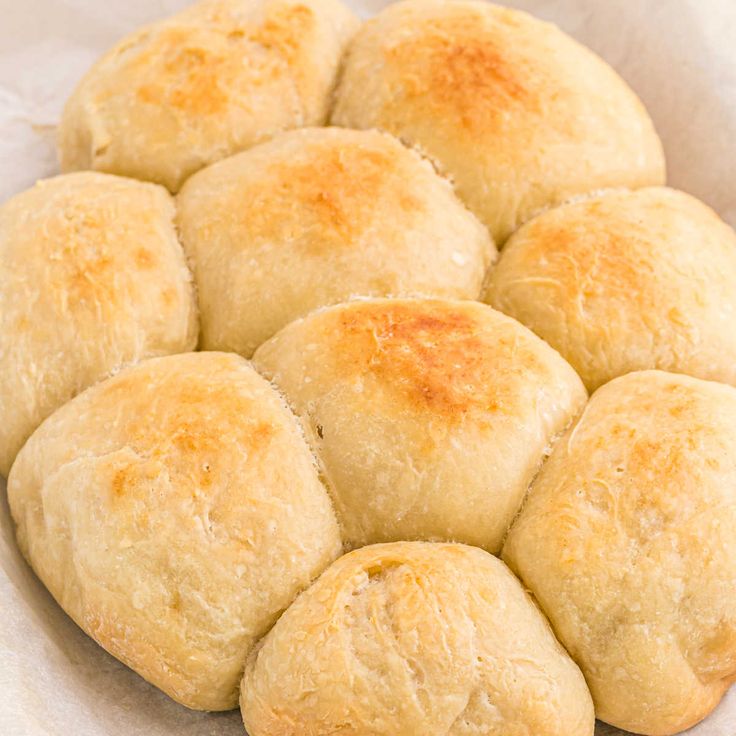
[[471, 77], [214, 79], [628, 542], [436, 357], [626, 281], [318, 216], [339, 174], [413, 638], [174, 511], [92, 277], [430, 416], [517, 113]]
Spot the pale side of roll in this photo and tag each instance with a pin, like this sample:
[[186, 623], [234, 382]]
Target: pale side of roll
[[517, 113], [92, 277], [315, 217], [626, 281], [430, 417], [414, 638], [174, 511], [214, 79], [628, 542]]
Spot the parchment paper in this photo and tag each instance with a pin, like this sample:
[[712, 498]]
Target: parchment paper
[[680, 57]]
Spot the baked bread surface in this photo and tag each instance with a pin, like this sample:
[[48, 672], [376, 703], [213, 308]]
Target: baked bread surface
[[626, 281], [174, 511], [214, 79], [414, 638], [430, 417], [92, 278], [628, 542], [315, 217], [517, 113]]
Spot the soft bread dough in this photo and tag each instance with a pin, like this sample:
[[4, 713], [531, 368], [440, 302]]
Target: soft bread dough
[[430, 417], [92, 277], [414, 638], [519, 114], [214, 79], [174, 511], [628, 542], [626, 281], [315, 217]]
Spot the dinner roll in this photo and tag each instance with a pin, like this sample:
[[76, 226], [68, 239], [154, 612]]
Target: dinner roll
[[430, 417], [92, 277], [519, 114], [214, 79], [628, 542], [315, 217], [414, 638], [174, 511], [626, 281]]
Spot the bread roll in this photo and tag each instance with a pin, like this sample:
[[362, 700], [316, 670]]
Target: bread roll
[[214, 79], [626, 281], [430, 417], [92, 277], [519, 114], [628, 542], [315, 217], [413, 638], [174, 511]]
